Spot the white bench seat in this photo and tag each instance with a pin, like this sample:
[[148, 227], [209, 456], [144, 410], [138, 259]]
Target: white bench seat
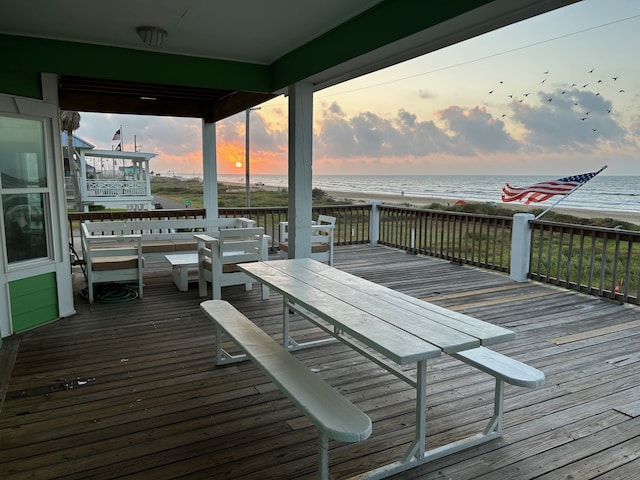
[[500, 366], [333, 415], [503, 369]]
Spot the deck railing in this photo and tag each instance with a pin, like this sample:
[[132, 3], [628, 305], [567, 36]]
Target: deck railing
[[598, 261], [481, 240], [352, 221], [604, 262]]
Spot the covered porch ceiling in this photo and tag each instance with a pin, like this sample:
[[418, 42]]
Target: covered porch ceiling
[[219, 57]]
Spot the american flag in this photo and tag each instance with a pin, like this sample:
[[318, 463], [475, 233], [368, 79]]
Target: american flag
[[539, 192], [116, 136]]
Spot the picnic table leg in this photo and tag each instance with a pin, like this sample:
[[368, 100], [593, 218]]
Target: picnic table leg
[[323, 456], [417, 448], [286, 343]]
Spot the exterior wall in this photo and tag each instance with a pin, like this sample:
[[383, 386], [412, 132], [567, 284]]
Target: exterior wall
[[34, 301], [39, 291]]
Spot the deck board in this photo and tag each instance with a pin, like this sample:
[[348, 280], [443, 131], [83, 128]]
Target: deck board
[[132, 391]]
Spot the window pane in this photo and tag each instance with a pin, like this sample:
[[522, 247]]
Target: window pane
[[22, 160], [24, 226]]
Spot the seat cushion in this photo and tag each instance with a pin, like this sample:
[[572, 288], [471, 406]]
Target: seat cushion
[[122, 262], [185, 245], [315, 247], [157, 246]]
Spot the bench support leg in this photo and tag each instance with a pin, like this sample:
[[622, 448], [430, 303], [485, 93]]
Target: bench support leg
[[222, 356], [323, 456], [495, 424]]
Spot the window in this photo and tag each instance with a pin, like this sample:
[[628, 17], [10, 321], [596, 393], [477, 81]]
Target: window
[[24, 192]]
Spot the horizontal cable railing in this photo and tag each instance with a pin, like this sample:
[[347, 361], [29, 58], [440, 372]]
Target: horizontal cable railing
[[481, 240], [604, 262]]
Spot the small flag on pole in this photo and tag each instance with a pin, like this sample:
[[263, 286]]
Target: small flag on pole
[[116, 136], [118, 148], [539, 192]]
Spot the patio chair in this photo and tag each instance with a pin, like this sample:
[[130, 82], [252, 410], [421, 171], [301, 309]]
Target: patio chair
[[321, 239], [218, 259]]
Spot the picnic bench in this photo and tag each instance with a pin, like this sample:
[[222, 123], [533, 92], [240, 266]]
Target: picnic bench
[[393, 329], [115, 250], [334, 416]]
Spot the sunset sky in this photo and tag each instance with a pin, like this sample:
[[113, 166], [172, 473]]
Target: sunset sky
[[557, 94]]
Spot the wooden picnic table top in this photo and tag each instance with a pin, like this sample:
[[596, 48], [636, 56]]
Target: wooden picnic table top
[[402, 328]]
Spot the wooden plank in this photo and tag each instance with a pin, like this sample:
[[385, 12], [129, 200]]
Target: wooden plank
[[576, 337], [167, 412]]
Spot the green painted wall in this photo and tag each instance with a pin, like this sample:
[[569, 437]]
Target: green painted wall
[[34, 301], [21, 84]]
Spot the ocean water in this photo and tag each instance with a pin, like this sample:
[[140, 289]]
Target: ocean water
[[606, 193]]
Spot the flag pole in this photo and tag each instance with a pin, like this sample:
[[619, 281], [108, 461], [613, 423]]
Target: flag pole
[[565, 196]]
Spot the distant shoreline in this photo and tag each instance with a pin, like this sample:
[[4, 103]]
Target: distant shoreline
[[421, 201]]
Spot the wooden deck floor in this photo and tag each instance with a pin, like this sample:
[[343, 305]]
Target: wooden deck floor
[[131, 390]]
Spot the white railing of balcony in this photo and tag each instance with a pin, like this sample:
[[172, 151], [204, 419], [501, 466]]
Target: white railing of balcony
[[117, 188]]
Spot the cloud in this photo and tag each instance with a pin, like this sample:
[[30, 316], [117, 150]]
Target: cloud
[[568, 120]]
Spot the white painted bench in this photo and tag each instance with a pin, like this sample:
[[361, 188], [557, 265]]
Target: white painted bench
[[218, 259], [321, 239], [113, 250], [503, 369], [333, 415]]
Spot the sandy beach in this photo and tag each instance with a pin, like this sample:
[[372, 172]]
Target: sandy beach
[[414, 201]]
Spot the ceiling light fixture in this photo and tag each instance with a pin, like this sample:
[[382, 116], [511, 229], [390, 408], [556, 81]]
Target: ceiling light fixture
[[152, 36]]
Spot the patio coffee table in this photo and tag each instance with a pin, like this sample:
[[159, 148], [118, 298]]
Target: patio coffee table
[[181, 263]]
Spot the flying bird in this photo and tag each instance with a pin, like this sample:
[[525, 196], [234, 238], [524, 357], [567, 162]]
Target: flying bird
[[585, 85], [583, 118], [491, 91], [543, 80], [591, 71], [614, 78]]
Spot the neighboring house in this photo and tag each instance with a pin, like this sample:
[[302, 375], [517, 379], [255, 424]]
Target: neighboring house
[[109, 178]]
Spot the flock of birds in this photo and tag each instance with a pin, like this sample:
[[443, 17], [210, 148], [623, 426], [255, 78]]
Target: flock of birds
[[573, 91]]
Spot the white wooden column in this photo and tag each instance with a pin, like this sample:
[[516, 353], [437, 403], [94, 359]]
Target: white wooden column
[[300, 171], [210, 169]]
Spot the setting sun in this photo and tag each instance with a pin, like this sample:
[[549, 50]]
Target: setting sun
[[238, 164]]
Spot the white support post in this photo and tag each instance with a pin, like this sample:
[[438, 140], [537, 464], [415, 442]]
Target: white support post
[[300, 171], [374, 223], [520, 246], [209, 169]]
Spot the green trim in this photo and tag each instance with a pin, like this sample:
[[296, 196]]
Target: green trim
[[21, 84], [65, 58], [392, 20], [34, 301]]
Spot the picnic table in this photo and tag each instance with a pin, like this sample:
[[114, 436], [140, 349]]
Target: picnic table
[[393, 330]]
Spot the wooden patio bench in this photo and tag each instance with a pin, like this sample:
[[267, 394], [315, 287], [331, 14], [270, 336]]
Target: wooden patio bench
[[503, 369], [333, 415], [113, 250]]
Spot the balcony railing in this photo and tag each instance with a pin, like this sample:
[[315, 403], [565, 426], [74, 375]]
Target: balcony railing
[[598, 261], [117, 188], [481, 240]]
